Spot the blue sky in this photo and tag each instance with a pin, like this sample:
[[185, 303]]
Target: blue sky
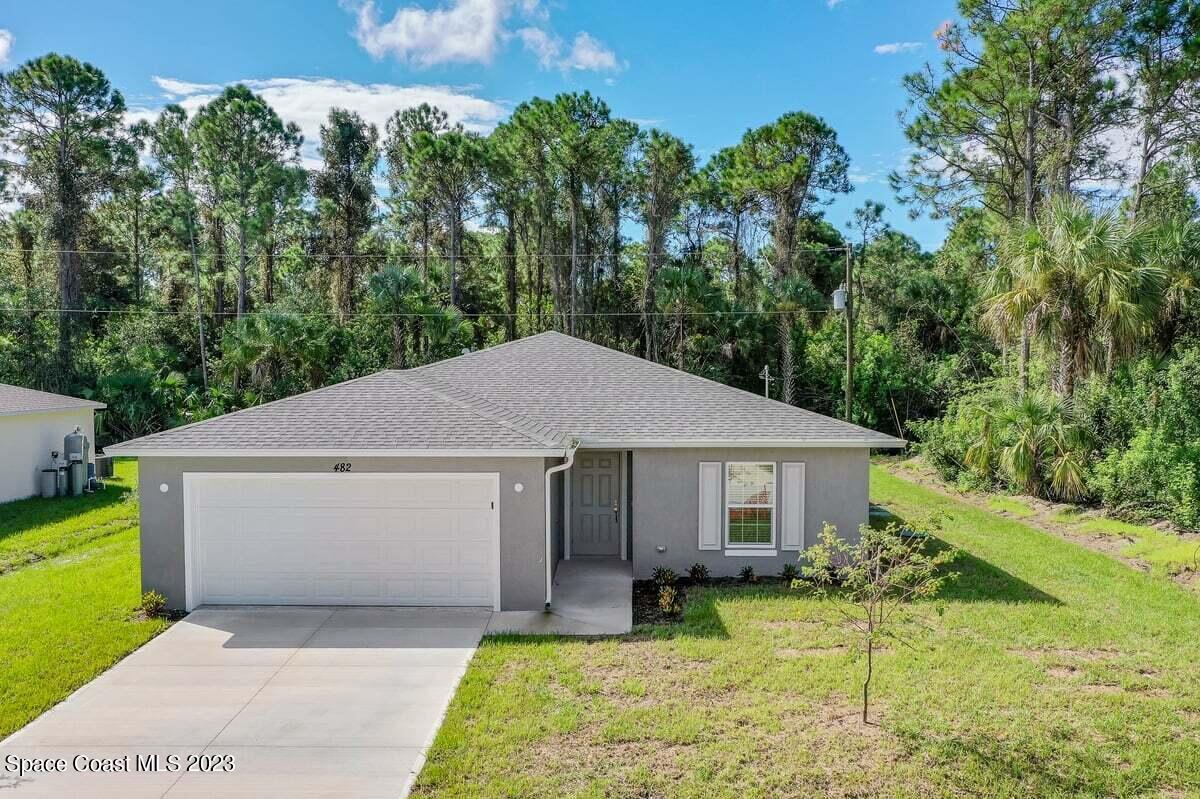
[[704, 71]]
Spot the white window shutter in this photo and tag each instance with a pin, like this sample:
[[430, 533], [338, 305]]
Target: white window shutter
[[793, 506], [711, 508]]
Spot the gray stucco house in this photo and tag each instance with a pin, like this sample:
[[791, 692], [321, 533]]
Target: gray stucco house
[[466, 482]]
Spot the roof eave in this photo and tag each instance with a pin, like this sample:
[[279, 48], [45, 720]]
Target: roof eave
[[744, 443], [120, 450], [95, 406]]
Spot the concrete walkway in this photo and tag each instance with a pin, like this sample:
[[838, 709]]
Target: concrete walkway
[[306, 701], [592, 596]]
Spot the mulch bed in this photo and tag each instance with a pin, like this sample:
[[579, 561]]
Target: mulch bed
[[645, 596]]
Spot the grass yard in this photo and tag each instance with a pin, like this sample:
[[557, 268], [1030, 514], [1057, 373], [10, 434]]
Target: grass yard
[[69, 587], [1053, 671]]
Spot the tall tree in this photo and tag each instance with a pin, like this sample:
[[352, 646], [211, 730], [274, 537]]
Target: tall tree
[[242, 141], [411, 195], [62, 126], [174, 149], [1162, 45], [344, 188], [664, 168], [134, 186], [453, 165], [730, 195], [577, 125], [529, 132], [507, 190], [794, 164]]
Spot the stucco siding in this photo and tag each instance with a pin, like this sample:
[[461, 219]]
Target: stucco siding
[[26, 441], [556, 510], [665, 487], [522, 515]]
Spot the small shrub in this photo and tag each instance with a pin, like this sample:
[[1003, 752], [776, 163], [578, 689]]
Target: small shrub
[[698, 573], [668, 600], [747, 575], [153, 604], [789, 572], [664, 576]]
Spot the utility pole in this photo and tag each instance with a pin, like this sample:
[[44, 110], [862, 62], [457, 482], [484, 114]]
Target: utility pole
[[765, 374], [849, 335]]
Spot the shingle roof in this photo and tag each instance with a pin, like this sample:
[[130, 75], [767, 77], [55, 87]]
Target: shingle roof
[[536, 393], [15, 401]]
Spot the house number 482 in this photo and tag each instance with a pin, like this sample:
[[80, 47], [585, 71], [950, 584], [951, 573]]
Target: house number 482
[[343, 466]]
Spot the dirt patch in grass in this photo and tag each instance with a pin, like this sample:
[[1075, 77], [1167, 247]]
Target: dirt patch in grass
[[1089, 655], [1101, 688], [1062, 672], [842, 719], [798, 624], [812, 651]]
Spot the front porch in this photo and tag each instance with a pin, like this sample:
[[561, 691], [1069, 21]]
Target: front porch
[[591, 596]]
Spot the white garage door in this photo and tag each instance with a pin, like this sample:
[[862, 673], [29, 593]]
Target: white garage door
[[342, 539]]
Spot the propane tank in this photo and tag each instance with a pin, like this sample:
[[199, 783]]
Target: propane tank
[[73, 446]]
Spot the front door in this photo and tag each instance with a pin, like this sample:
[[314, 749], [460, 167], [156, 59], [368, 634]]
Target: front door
[[596, 504]]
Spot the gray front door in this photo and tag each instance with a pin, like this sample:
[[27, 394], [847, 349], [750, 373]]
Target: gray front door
[[596, 504]]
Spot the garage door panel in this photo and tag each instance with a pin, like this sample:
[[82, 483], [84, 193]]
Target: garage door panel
[[474, 494], [355, 539], [477, 589], [475, 559]]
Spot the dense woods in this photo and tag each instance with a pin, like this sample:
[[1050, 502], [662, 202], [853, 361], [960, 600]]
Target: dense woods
[[189, 265]]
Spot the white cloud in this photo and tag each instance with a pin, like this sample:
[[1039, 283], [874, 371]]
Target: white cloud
[[464, 31], [173, 88], [473, 31], [897, 47], [6, 43], [306, 101], [588, 53], [542, 45], [833, 3]]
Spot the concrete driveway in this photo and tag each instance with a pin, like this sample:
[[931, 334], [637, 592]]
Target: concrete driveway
[[306, 701]]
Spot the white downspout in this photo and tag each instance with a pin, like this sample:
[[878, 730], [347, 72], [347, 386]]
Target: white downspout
[[553, 470]]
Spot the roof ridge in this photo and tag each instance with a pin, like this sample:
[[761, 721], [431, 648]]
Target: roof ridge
[[473, 353], [239, 411], [727, 388], [512, 420]]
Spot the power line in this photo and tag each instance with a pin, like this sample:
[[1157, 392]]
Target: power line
[[424, 315], [233, 255]]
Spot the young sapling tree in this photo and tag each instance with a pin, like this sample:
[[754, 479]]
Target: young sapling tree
[[874, 580]]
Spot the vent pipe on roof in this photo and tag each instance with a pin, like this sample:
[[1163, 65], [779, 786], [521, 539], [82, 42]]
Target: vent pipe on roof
[[553, 470]]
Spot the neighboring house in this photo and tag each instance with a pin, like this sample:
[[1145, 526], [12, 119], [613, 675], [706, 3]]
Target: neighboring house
[[444, 484], [32, 425]]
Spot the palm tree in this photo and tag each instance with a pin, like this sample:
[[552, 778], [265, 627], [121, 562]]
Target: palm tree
[[1035, 443], [1176, 249], [792, 295], [683, 290], [1081, 282], [398, 291], [446, 331]]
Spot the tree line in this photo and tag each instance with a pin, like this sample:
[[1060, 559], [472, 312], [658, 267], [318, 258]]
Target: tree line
[[193, 263]]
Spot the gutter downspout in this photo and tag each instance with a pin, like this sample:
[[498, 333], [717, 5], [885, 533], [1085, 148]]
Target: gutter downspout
[[553, 470]]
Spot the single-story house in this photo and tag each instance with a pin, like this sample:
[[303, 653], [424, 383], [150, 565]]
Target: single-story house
[[467, 481], [32, 425]]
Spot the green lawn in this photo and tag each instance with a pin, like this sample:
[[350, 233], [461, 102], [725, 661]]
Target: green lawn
[[69, 587], [1165, 552], [1053, 671]]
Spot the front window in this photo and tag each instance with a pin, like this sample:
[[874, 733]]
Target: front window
[[750, 504]]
